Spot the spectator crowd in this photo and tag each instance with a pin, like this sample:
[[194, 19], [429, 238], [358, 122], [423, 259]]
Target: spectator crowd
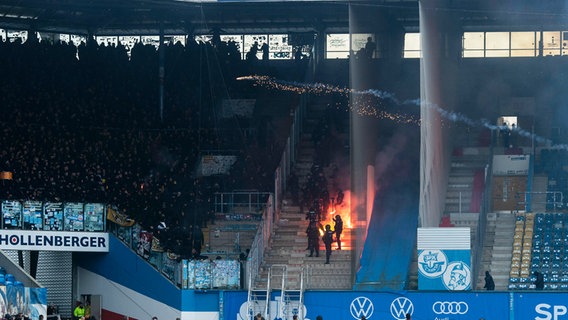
[[84, 124]]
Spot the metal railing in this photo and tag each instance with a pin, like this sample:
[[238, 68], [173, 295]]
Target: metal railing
[[241, 202]]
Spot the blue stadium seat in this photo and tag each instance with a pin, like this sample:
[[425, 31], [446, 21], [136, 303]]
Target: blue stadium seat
[[10, 277]]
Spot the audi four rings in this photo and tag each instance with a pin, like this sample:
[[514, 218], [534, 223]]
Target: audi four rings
[[450, 307]]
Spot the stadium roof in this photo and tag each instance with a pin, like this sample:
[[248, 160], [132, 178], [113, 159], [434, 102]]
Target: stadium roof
[[117, 17]]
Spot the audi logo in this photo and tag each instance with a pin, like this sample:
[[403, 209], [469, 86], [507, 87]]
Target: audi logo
[[450, 307]]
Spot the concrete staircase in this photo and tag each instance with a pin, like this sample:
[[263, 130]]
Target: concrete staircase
[[288, 247], [461, 178], [289, 241], [539, 200], [498, 249]]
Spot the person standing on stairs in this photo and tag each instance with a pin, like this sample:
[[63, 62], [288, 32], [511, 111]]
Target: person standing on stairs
[[489, 283], [313, 238], [338, 229], [327, 240]]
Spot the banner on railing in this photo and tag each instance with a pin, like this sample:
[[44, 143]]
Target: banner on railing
[[211, 274]]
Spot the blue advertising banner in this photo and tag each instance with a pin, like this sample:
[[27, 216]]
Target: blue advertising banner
[[539, 306], [352, 305]]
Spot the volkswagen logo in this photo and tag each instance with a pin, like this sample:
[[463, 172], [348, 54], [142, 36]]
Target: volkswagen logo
[[361, 306], [450, 307], [400, 307]]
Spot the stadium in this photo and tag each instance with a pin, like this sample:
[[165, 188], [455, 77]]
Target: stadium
[[283, 159]]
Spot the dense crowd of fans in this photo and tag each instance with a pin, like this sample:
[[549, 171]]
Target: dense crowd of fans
[[84, 124]]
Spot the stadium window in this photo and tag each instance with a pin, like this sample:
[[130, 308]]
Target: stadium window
[[12, 35], [77, 40], [107, 41], [237, 39], [173, 39], [204, 38], [473, 45], [497, 44], [359, 41], [412, 48], [128, 42], [250, 39], [2, 35], [151, 40], [564, 43], [524, 44], [337, 46], [279, 47], [551, 41]]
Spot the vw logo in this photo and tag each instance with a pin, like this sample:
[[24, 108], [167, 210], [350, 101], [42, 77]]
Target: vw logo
[[400, 307], [450, 307], [361, 306]]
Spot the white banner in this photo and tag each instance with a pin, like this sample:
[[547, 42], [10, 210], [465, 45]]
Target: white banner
[[511, 165], [54, 241]]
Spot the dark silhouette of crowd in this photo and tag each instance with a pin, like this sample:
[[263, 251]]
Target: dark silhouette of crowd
[[84, 124]]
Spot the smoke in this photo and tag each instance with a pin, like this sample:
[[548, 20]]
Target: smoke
[[387, 99]]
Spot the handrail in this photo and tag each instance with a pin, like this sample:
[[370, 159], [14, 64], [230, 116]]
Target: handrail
[[483, 211], [557, 199], [240, 201]]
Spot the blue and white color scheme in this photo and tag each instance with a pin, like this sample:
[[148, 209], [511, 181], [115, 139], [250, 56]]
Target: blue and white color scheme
[[54, 241], [352, 305], [551, 306], [444, 259]]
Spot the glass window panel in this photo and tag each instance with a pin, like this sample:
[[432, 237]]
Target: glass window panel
[[128, 42], [94, 219], [237, 39], [64, 38], [204, 38], [2, 35], [151, 40], [77, 40], [173, 39], [33, 215], [337, 46], [249, 41], [359, 40], [412, 42], [279, 47], [337, 55], [13, 35], [473, 41], [474, 54], [412, 45], [523, 40], [551, 43], [53, 216], [412, 54], [73, 219], [564, 43], [496, 53], [107, 41], [11, 214], [337, 42], [497, 40], [523, 53]]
